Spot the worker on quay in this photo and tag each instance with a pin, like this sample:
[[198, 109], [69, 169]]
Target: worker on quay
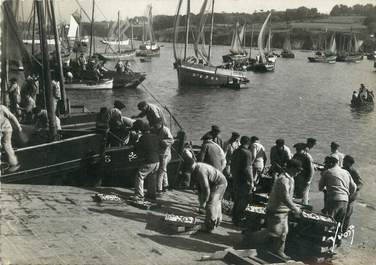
[[279, 155], [304, 178], [215, 132], [279, 205], [147, 148], [7, 122], [258, 157], [338, 186], [211, 153], [242, 176], [348, 163], [151, 111], [334, 151], [165, 141], [229, 148], [211, 184]]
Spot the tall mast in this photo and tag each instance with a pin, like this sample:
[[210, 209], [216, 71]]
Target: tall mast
[[119, 31], [46, 71], [132, 34], [4, 60], [92, 31], [187, 28], [58, 55], [211, 31], [250, 46]]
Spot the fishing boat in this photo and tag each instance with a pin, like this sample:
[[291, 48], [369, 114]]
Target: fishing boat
[[125, 79], [149, 46], [286, 50], [263, 63], [237, 52], [198, 70], [349, 51], [80, 43], [113, 50], [329, 56], [269, 53], [104, 84]]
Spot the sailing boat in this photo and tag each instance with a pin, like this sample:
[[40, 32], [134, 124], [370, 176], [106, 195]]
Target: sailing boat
[[350, 52], [149, 47], [237, 51], [328, 56], [197, 70], [269, 53], [263, 63], [80, 44], [287, 52], [118, 53]]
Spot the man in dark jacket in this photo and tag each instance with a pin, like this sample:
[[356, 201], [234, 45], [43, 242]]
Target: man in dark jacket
[[151, 111], [241, 170], [215, 131], [147, 149], [211, 153]]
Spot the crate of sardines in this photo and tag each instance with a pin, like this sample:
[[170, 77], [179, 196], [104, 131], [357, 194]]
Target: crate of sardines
[[179, 220], [324, 220]]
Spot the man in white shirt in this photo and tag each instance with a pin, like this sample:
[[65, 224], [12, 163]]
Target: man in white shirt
[[334, 151], [258, 157]]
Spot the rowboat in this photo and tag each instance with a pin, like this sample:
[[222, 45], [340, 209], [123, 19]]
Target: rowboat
[[103, 84]]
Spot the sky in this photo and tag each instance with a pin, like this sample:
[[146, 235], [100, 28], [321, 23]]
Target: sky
[[107, 9]]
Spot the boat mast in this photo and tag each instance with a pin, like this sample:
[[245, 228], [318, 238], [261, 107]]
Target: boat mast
[[92, 31], [211, 31], [4, 60], [187, 28], [46, 71], [132, 34], [58, 55], [119, 31], [250, 47]]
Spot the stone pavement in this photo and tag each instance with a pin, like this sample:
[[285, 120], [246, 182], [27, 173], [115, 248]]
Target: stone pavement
[[63, 225]]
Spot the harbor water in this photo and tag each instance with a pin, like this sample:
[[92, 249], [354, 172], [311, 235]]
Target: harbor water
[[297, 101]]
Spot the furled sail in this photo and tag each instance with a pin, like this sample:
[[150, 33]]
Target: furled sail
[[200, 31], [261, 37], [236, 43], [287, 44], [176, 31]]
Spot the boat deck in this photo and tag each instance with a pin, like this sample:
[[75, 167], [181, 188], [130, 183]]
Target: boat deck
[[63, 225]]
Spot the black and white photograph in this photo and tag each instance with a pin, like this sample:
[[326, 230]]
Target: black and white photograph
[[179, 132]]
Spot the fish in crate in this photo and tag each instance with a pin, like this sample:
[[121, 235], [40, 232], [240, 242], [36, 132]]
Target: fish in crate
[[179, 220]]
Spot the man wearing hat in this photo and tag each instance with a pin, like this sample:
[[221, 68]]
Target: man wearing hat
[[334, 151], [151, 111], [211, 153], [280, 203], [215, 131], [338, 186], [304, 178], [279, 155], [147, 148], [258, 157], [229, 147]]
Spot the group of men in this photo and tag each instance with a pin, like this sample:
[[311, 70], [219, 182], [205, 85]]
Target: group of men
[[362, 95]]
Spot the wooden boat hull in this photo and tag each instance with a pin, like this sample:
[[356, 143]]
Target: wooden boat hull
[[148, 52], [322, 59], [263, 68], [123, 56], [239, 58], [288, 55], [126, 79], [90, 85], [208, 76]]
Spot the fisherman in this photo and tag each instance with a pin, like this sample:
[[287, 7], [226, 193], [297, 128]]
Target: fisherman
[[362, 92], [304, 178], [165, 142], [229, 148], [243, 183], [334, 151], [355, 98], [338, 186], [41, 122], [14, 92], [151, 111], [311, 142], [119, 125], [215, 131], [147, 148], [280, 203], [98, 72], [56, 92], [119, 67], [27, 105], [258, 157], [7, 122], [211, 184], [279, 155], [82, 62], [211, 153], [348, 163]]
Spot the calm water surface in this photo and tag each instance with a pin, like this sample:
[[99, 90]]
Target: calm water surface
[[297, 101]]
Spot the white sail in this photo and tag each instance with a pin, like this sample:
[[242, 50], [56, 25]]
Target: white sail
[[236, 43], [261, 38], [242, 34], [333, 46], [73, 27], [357, 44]]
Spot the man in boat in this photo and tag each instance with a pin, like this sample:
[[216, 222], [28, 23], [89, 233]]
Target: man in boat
[[147, 148], [334, 151], [304, 178], [348, 163], [82, 62], [362, 92], [56, 92], [41, 122], [338, 186], [14, 92], [279, 155], [280, 203], [119, 67], [7, 122], [211, 184], [119, 125], [258, 157], [211, 153], [355, 98], [243, 182], [151, 111], [165, 141], [215, 131], [229, 148]]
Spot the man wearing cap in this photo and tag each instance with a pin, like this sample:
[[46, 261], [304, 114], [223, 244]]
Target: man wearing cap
[[280, 203], [229, 148], [348, 163], [338, 186], [147, 148], [165, 142], [151, 112], [215, 131], [304, 178], [279, 155], [258, 157], [243, 183], [211, 185], [334, 151], [211, 153]]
